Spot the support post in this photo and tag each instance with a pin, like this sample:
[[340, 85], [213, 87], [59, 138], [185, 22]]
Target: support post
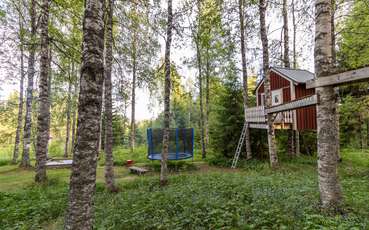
[[177, 144]]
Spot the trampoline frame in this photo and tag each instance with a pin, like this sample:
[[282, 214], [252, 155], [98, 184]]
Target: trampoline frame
[[171, 156]]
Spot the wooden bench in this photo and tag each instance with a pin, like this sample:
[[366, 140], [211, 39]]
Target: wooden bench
[[137, 170]]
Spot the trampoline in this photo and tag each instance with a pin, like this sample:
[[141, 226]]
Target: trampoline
[[181, 143]]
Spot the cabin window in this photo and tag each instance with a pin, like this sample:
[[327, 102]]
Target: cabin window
[[277, 97]]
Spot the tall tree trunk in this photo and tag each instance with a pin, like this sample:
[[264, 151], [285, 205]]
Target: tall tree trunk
[[44, 108], [241, 8], [286, 63], [25, 163], [164, 155], [199, 67], [21, 90], [329, 186], [83, 177], [338, 144], [49, 95], [134, 79], [286, 56], [294, 37], [69, 105], [100, 142], [333, 36], [296, 132], [74, 116], [203, 141], [133, 106], [109, 162], [207, 97], [268, 94]]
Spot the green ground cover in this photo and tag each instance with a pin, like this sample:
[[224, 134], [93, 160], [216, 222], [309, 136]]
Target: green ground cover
[[200, 197]]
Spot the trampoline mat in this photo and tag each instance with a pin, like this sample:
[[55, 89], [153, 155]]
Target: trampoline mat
[[171, 156]]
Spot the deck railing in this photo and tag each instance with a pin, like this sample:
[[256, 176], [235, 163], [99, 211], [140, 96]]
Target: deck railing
[[257, 115]]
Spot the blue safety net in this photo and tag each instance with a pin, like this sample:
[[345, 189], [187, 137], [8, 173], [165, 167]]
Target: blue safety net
[[181, 143]]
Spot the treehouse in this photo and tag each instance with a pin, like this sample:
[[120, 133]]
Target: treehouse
[[288, 87]]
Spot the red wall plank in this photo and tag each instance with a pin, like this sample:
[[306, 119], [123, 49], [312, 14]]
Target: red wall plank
[[286, 94]]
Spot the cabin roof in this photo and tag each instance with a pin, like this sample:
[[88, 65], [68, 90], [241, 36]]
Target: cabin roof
[[297, 76]]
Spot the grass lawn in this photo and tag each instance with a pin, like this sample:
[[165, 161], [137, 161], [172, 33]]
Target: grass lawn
[[199, 197]]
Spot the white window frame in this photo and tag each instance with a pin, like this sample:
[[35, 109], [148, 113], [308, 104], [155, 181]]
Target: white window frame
[[279, 94]]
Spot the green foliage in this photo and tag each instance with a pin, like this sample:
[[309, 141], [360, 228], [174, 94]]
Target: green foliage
[[354, 36], [229, 117], [354, 119], [254, 198], [30, 208]]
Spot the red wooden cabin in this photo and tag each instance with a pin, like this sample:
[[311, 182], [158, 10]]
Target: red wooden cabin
[[288, 85]]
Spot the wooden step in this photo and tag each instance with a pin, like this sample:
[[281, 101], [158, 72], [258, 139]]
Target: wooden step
[[137, 170]]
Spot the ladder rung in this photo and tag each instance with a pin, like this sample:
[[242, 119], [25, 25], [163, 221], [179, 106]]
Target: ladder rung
[[239, 146]]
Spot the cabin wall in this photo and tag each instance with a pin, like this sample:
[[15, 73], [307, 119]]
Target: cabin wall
[[306, 117], [276, 82]]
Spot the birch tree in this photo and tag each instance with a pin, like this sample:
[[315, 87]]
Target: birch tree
[[83, 177], [167, 86], [268, 94], [109, 163], [329, 186], [44, 108], [25, 163], [21, 85], [69, 107], [241, 10]]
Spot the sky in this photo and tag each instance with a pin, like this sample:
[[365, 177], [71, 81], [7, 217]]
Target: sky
[[177, 54]]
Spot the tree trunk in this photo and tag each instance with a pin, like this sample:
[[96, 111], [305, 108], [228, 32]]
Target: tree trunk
[[133, 106], [49, 96], [268, 94], [329, 186], [83, 176], [203, 141], [367, 133], [361, 136], [207, 98], [241, 8], [199, 66], [25, 163], [286, 57], [286, 63], [101, 116], [333, 36], [338, 144], [44, 109], [74, 117], [164, 156], [297, 142], [109, 162], [134, 79], [69, 105], [294, 38], [21, 90]]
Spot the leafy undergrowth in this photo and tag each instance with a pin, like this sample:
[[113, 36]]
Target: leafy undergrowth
[[251, 198]]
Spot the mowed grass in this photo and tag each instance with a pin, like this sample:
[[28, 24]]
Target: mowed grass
[[253, 197]]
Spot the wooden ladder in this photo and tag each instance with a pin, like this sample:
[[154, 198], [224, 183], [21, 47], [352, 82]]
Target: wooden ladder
[[239, 146]]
